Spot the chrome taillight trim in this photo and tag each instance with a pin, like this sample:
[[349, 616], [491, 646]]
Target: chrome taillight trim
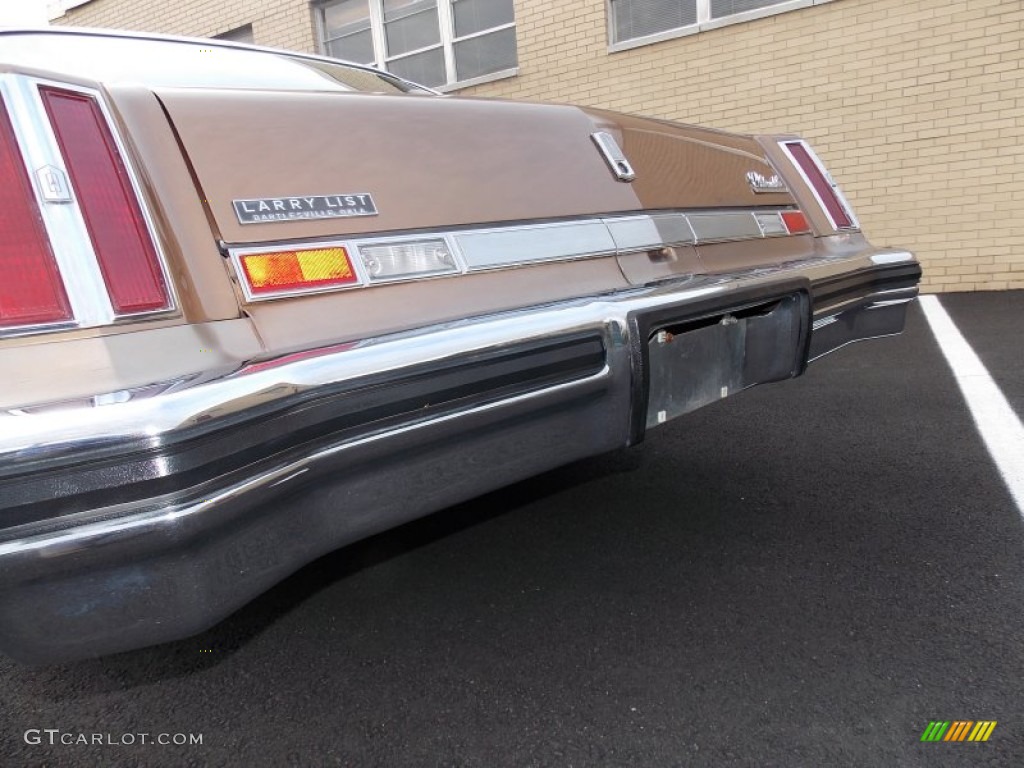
[[64, 224], [62, 218], [854, 221], [481, 249], [137, 190]]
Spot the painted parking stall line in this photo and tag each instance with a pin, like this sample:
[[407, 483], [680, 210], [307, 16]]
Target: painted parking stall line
[[999, 425]]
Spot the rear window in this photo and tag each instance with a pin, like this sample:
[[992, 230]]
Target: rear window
[[182, 64]]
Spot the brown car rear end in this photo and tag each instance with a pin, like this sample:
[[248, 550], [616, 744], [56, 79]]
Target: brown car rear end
[[160, 468]]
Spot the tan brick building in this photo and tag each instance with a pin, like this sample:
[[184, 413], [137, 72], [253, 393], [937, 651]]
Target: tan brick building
[[916, 106]]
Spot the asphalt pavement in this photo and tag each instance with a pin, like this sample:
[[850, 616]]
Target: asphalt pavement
[[806, 574]]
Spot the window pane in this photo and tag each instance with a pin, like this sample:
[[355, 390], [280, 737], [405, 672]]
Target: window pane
[[345, 17], [426, 68], [477, 15], [485, 54], [636, 18], [396, 10], [415, 28], [357, 47], [355, 79], [721, 8]]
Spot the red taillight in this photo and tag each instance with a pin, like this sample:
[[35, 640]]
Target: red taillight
[[834, 206], [124, 249], [31, 291], [796, 222]]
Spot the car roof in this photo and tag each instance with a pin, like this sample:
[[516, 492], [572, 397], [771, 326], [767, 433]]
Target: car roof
[[69, 42]]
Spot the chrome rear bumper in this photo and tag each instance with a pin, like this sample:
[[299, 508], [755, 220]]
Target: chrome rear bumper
[[150, 520]]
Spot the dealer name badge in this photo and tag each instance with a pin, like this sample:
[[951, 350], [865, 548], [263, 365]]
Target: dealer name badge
[[303, 207]]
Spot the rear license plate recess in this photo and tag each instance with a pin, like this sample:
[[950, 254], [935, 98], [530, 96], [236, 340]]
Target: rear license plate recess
[[695, 362]]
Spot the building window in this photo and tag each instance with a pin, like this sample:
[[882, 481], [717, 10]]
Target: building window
[[433, 42], [721, 8], [633, 19]]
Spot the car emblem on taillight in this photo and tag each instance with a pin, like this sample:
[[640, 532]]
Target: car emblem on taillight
[[53, 184], [761, 183]]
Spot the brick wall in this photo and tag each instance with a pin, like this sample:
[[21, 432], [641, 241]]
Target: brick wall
[[916, 106], [277, 23]]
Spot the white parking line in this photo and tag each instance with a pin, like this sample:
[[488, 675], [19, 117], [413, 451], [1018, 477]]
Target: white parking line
[[1000, 427]]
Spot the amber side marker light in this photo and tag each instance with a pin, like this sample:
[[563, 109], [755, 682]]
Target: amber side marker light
[[297, 271]]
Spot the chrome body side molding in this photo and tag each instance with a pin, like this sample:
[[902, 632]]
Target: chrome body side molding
[[486, 248], [166, 513]]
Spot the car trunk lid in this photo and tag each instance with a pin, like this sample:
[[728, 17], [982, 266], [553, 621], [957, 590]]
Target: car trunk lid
[[427, 162]]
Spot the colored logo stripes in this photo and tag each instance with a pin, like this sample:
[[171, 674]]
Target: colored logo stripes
[[958, 730]]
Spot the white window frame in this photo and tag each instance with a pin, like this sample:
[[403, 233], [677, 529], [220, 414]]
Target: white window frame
[[55, 9], [704, 22], [446, 22]]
